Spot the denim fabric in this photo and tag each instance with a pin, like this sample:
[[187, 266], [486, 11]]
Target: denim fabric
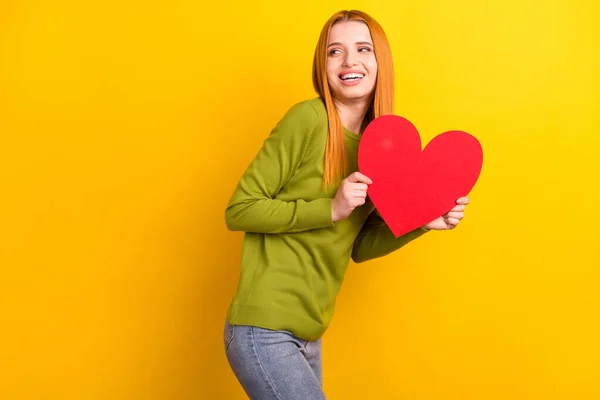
[[274, 364]]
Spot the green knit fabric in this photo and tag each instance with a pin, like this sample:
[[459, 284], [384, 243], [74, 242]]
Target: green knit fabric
[[294, 257]]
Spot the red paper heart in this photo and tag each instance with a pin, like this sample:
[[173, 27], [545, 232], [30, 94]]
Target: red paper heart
[[412, 187]]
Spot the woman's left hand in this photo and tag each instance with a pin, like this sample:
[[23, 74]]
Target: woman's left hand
[[451, 219]]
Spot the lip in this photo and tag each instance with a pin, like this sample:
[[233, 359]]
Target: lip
[[351, 83], [350, 71]]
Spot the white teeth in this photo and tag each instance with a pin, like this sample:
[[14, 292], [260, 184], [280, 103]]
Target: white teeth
[[352, 76]]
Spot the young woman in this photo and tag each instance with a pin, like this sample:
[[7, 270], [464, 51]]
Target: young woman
[[305, 211]]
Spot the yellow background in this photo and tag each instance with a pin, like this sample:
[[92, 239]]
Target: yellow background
[[126, 124]]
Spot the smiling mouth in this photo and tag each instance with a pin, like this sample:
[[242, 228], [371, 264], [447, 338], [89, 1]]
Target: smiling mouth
[[351, 77]]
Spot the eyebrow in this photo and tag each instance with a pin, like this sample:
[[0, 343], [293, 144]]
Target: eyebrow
[[339, 44]]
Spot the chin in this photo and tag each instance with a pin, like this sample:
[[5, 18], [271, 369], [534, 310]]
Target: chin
[[353, 95]]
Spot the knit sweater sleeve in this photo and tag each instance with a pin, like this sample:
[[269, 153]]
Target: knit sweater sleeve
[[253, 207], [375, 239]]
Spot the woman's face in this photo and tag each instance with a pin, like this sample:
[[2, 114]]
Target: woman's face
[[351, 65]]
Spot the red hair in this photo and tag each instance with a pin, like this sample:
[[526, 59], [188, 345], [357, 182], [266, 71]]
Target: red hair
[[383, 99]]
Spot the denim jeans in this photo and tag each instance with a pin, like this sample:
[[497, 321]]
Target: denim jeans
[[274, 364]]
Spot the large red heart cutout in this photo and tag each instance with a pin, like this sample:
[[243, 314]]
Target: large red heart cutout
[[412, 187]]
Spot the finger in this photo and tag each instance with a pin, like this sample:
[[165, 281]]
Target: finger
[[456, 215], [452, 221], [356, 189], [360, 186], [459, 208], [463, 200], [357, 201], [358, 177], [359, 193]]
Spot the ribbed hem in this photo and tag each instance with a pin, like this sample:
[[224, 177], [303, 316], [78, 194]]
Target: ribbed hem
[[315, 214], [272, 318]]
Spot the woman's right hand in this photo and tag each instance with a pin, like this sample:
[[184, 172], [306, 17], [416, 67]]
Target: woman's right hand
[[352, 193]]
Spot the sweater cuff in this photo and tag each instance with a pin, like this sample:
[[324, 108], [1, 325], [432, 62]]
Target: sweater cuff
[[315, 214]]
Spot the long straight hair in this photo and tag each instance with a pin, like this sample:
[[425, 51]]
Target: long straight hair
[[335, 168]]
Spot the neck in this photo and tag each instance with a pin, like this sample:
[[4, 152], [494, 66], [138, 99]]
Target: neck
[[352, 114]]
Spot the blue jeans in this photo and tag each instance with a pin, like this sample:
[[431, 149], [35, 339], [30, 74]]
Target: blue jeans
[[274, 364]]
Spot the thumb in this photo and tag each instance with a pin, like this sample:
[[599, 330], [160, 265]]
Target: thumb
[[359, 178]]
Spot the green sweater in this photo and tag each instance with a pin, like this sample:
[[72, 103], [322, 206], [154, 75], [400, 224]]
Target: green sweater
[[294, 257]]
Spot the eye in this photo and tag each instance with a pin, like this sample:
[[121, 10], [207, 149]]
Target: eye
[[363, 49], [333, 52]]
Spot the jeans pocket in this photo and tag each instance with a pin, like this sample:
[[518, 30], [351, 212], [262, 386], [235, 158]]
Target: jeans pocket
[[228, 335]]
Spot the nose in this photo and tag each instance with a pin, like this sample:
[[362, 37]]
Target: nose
[[349, 59]]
